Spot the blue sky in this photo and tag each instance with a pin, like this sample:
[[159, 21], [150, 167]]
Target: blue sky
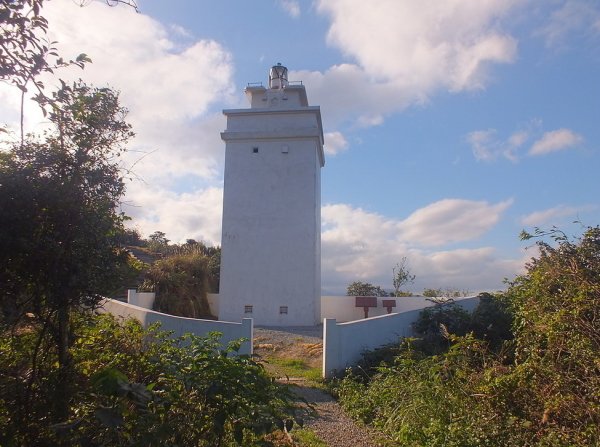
[[449, 126]]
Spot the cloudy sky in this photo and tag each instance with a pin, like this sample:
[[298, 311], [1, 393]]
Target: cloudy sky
[[449, 126]]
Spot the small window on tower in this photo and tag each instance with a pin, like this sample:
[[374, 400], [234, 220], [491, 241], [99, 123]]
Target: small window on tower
[[283, 309], [247, 309], [285, 149], [255, 150]]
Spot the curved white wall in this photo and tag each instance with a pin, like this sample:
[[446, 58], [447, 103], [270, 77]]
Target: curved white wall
[[181, 325]]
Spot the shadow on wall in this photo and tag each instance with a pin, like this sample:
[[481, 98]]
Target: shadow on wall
[[180, 325]]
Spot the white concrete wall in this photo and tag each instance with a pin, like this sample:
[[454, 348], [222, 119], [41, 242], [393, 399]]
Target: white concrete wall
[[343, 309], [344, 343], [141, 299], [213, 303], [270, 244], [181, 325]]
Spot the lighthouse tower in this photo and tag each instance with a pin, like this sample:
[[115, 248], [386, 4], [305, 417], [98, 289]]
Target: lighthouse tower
[[271, 241]]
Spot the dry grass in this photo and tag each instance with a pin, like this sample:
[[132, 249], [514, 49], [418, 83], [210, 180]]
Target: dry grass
[[293, 358]]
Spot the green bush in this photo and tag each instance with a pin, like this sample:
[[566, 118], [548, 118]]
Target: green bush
[[181, 284], [540, 389], [132, 386], [436, 322], [492, 320]]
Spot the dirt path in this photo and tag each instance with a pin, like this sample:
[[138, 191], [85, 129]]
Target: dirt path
[[331, 425]]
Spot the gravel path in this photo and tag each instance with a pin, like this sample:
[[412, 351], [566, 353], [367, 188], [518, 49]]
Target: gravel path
[[331, 424]]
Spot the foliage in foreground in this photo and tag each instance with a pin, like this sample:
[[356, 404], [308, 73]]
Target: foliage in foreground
[[139, 387], [59, 194], [540, 389]]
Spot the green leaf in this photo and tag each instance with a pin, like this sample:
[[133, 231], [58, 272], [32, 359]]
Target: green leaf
[[238, 434], [109, 381], [83, 58], [108, 417]]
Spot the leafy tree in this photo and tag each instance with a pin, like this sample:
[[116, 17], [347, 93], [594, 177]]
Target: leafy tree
[[446, 293], [358, 288], [131, 237], [557, 337], [26, 53], [432, 293], [401, 276], [58, 200], [158, 242]]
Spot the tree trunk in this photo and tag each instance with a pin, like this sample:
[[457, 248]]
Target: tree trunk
[[64, 365]]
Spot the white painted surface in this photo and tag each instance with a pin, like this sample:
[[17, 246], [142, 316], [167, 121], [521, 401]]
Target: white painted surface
[[344, 343], [343, 309], [271, 238], [213, 303], [141, 299], [180, 325]]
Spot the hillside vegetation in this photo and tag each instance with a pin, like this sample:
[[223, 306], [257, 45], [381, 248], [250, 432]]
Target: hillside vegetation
[[538, 387]]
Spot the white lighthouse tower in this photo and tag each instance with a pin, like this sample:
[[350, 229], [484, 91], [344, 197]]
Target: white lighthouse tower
[[271, 242]]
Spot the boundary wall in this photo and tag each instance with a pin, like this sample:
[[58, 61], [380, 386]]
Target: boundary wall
[[344, 343], [343, 308], [181, 325], [340, 307]]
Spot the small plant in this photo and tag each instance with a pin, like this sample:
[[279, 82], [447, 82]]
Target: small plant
[[294, 368], [305, 437]]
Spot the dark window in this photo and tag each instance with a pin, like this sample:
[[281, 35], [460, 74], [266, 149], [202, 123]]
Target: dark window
[[283, 309], [255, 150], [247, 309]]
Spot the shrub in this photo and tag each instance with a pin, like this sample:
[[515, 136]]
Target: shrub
[[436, 322], [492, 319], [180, 283], [547, 395], [133, 386]]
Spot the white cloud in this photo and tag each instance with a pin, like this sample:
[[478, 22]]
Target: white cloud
[[556, 140], [291, 7], [486, 146], [359, 245], [579, 17], [554, 216], [422, 45], [346, 93], [402, 52], [158, 76], [189, 215], [169, 82], [482, 144], [335, 143], [451, 220]]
